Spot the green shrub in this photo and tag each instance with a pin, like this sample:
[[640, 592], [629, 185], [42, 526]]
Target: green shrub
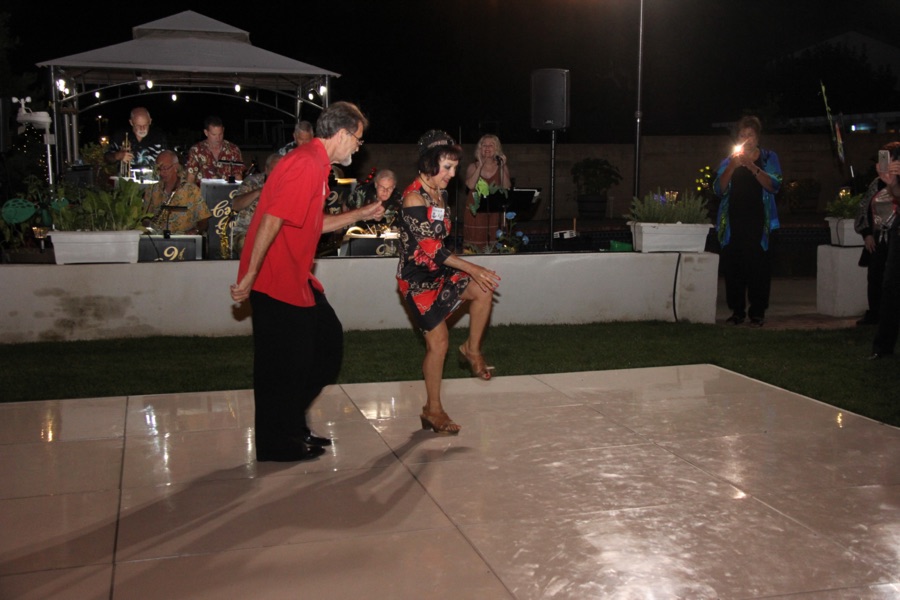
[[845, 206], [685, 207], [120, 209]]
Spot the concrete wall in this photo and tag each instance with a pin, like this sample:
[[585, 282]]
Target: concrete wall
[[79, 302], [667, 162]]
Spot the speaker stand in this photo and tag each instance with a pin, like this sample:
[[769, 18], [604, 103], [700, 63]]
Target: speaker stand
[[552, 185]]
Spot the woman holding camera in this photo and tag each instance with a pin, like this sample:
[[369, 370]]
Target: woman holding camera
[[747, 182]]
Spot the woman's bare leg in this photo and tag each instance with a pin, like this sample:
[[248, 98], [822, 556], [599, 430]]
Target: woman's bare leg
[[482, 303], [436, 342], [433, 415]]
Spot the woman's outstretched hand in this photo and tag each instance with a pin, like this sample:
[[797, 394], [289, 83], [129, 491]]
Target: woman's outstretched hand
[[486, 279]]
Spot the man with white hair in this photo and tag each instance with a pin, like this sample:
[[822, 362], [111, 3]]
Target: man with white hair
[[138, 146], [297, 338]]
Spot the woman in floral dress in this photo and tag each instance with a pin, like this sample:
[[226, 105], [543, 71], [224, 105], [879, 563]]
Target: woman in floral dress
[[434, 282]]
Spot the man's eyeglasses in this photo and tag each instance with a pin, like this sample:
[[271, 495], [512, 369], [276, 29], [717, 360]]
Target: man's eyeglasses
[[359, 140], [164, 167]]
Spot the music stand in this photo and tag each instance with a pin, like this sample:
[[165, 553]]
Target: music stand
[[523, 202], [217, 195], [492, 203], [231, 163]]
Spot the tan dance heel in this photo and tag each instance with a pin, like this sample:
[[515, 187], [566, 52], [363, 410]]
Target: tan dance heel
[[479, 368], [439, 423]]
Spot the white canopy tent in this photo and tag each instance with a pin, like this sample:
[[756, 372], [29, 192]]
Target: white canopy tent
[[184, 53]]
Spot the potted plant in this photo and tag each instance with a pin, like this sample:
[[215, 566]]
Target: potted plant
[[801, 196], [669, 221], [26, 221], [841, 215], [592, 178], [100, 225], [94, 155], [509, 239]]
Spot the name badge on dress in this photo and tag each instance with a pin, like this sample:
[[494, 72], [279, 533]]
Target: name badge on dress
[[435, 213]]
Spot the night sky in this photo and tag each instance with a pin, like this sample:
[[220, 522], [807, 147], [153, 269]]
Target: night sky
[[465, 66]]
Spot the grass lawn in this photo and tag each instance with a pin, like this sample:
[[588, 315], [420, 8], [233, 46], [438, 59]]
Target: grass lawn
[[828, 365]]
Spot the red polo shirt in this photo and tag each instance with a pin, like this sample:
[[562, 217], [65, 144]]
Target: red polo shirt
[[295, 191]]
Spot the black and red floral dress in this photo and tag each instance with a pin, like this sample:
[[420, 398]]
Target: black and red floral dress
[[431, 290]]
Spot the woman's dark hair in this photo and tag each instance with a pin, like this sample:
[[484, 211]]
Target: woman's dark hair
[[749, 121], [340, 115], [434, 146], [894, 149]]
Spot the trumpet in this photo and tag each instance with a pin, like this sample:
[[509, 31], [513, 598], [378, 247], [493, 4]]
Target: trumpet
[[124, 165]]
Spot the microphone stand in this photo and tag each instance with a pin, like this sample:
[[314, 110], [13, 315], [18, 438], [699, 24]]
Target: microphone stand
[[167, 234]]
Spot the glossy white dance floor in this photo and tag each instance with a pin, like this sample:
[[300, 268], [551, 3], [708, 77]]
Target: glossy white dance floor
[[679, 482]]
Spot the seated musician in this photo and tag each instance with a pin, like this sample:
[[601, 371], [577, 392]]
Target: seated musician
[[174, 203], [382, 188], [303, 134], [245, 199]]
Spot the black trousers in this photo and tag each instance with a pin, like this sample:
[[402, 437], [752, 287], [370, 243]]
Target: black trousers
[[889, 314], [875, 278], [748, 278], [297, 352]]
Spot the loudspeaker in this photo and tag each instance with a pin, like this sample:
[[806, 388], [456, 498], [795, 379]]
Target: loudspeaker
[[550, 98], [5, 129]]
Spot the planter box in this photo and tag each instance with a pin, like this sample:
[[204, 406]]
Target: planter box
[[70, 247], [842, 232], [591, 206], [669, 237], [840, 283]]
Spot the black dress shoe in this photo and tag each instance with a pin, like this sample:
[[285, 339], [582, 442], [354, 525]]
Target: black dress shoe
[[286, 452], [314, 440], [734, 320], [878, 355], [756, 321]]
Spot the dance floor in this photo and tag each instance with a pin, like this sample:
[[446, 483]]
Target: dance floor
[[677, 482]]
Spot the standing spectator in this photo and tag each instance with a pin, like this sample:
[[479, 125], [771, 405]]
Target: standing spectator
[[747, 182], [889, 312], [215, 157], [875, 209], [297, 338]]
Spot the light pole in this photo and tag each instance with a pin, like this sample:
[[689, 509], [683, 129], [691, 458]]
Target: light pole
[[637, 112]]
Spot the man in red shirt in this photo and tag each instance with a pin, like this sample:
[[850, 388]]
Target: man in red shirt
[[297, 338]]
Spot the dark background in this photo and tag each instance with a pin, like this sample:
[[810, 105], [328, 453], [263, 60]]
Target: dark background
[[465, 66]]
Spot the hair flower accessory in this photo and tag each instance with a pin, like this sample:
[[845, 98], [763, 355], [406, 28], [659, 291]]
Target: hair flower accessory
[[433, 138]]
